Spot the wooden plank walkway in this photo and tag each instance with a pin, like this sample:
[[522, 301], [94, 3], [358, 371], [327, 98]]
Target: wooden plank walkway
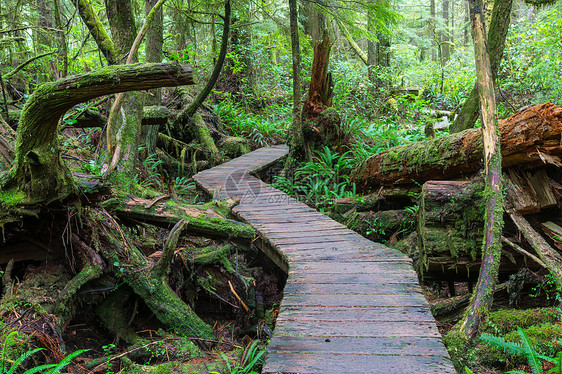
[[349, 305]]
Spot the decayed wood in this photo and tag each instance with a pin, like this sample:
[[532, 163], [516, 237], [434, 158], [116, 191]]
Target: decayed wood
[[525, 136], [551, 258], [542, 187], [554, 232], [7, 142], [520, 197], [151, 115]]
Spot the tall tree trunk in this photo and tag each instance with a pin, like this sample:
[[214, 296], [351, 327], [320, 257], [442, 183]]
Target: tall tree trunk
[[63, 51], [466, 21], [43, 41], [372, 49], [496, 42], [432, 29], [124, 125], [482, 299], [445, 38], [153, 52], [296, 136]]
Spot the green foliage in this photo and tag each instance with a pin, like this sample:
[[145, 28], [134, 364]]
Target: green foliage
[[250, 363], [261, 130], [11, 341], [325, 177], [525, 348], [534, 57]]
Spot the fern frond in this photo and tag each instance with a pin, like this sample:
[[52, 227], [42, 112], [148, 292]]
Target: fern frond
[[500, 342], [530, 352]]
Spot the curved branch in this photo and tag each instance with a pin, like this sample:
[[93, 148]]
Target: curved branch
[[37, 169]]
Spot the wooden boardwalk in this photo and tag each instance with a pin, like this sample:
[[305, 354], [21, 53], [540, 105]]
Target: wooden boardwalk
[[349, 305]]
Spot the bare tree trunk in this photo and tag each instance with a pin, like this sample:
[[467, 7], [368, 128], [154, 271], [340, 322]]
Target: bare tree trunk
[[482, 299], [296, 140], [63, 52], [432, 29], [445, 38], [496, 42]]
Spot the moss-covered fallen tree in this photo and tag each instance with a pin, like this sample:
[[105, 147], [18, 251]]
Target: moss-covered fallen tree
[[528, 138], [38, 173]]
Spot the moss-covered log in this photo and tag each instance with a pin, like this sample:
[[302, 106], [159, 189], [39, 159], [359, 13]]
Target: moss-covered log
[[138, 272], [38, 174], [450, 221], [202, 219], [527, 138]]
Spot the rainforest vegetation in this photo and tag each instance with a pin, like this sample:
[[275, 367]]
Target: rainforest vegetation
[[433, 127]]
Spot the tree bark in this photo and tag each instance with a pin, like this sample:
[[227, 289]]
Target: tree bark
[[188, 112], [499, 26], [320, 88], [94, 24], [525, 137], [296, 136], [63, 53], [154, 44], [38, 174], [483, 297]]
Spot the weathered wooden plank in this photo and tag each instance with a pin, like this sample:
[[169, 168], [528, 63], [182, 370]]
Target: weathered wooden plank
[[362, 346], [397, 277], [342, 238], [365, 314], [350, 268], [304, 363], [352, 301], [357, 329], [304, 233], [301, 288]]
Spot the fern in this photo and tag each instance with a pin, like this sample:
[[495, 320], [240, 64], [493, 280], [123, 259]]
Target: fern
[[530, 353], [501, 343], [557, 369], [525, 348]]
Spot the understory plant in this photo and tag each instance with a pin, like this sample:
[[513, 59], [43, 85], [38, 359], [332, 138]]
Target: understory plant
[[526, 349], [250, 363], [325, 177], [6, 368]]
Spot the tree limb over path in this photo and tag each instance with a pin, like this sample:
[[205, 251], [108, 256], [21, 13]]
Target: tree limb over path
[[38, 173]]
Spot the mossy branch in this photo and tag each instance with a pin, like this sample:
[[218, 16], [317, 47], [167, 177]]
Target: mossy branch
[[92, 21], [163, 266], [38, 169]]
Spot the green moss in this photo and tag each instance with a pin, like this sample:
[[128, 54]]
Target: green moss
[[214, 255], [11, 198], [504, 321], [541, 326], [234, 146]]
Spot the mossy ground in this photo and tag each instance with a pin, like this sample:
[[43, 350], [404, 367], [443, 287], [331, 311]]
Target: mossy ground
[[542, 326]]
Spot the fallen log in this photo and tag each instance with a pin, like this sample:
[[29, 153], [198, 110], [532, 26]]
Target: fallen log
[[202, 219], [530, 137]]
